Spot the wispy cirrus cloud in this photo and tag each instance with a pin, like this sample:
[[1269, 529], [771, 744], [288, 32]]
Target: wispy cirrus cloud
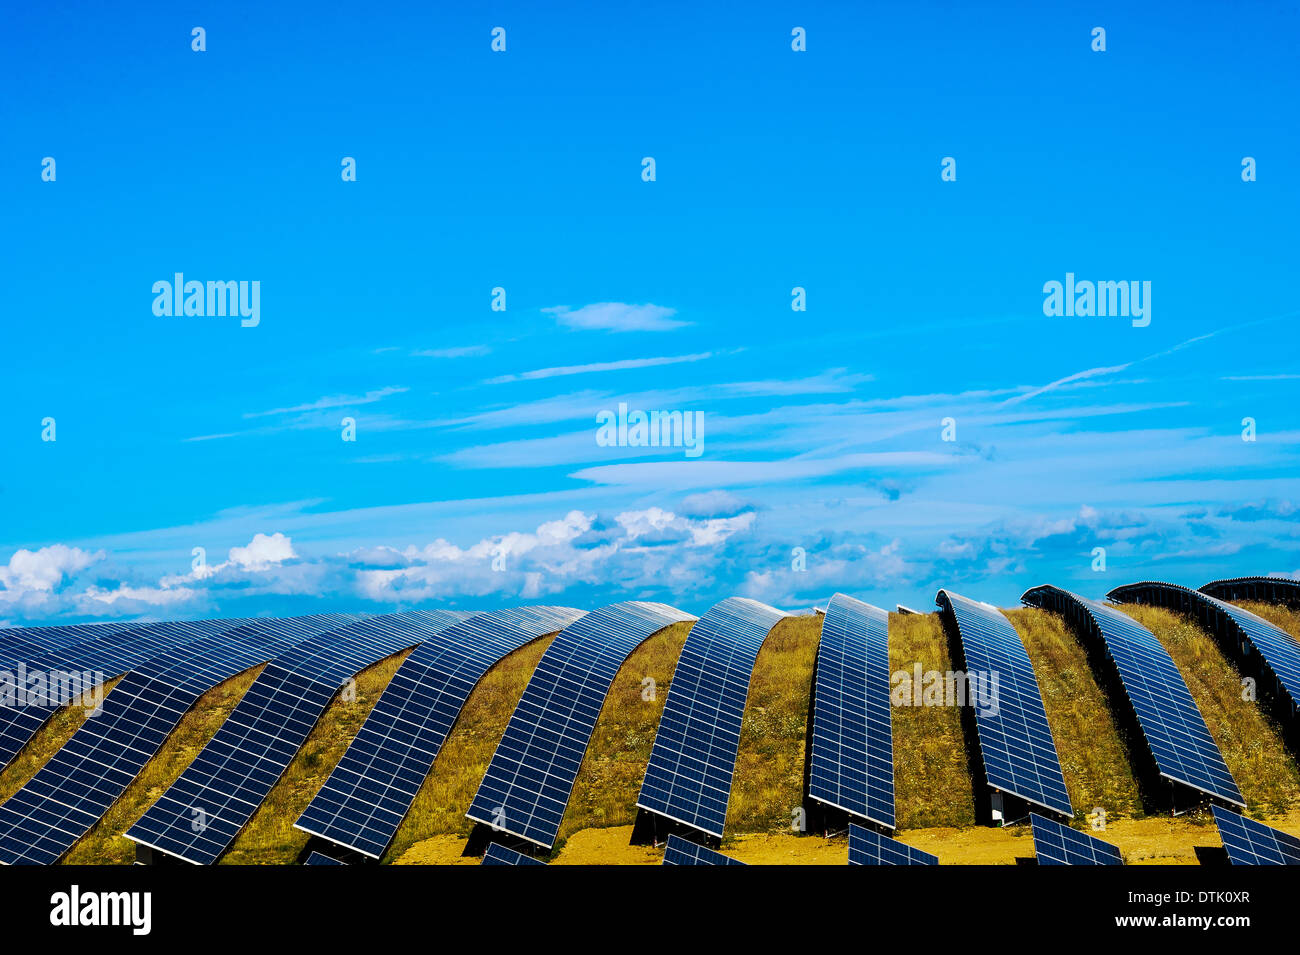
[[331, 401], [461, 351], [620, 365], [617, 317]]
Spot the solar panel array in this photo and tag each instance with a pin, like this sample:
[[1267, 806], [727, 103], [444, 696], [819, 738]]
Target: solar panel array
[[1248, 842], [1284, 590], [1279, 651], [74, 789], [688, 779], [868, 847], [1172, 726], [533, 771], [365, 799], [498, 854], [200, 815], [851, 760], [317, 858], [681, 851], [1015, 740], [59, 654], [1057, 844]]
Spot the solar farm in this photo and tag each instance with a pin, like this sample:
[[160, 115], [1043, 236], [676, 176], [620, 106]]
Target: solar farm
[[1155, 726]]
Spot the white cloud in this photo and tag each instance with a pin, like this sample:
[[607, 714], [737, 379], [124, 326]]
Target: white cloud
[[263, 551], [617, 317], [620, 365], [331, 401], [463, 351], [35, 574]]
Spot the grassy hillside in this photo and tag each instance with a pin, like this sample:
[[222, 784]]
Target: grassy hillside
[[1279, 616], [1251, 745], [932, 785], [1093, 757]]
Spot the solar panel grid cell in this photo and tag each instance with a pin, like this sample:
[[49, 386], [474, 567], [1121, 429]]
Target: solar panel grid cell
[[370, 791], [851, 763], [1057, 844], [868, 847], [688, 778], [533, 771], [498, 854], [1016, 744]]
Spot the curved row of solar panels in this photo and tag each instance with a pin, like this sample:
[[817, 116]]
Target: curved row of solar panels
[[369, 793], [200, 815], [1255, 641], [1273, 590], [1016, 746], [73, 790], [1172, 727], [533, 771], [688, 777], [851, 757]]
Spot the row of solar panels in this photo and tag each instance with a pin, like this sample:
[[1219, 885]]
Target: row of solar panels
[[527, 786]]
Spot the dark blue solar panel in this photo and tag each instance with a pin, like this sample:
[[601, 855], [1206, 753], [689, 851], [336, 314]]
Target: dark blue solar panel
[[200, 815], [1172, 726], [681, 851], [498, 854], [1248, 842], [1057, 844], [1015, 741], [365, 799], [867, 847], [688, 779], [317, 858], [534, 769], [851, 763], [73, 790]]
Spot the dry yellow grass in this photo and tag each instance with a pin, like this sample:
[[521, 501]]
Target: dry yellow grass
[[440, 806], [1249, 740], [932, 784], [612, 770], [768, 784], [1093, 757]]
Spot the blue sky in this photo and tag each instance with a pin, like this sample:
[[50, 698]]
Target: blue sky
[[475, 429]]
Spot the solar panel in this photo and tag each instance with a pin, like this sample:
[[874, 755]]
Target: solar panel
[[1057, 844], [1278, 651], [533, 771], [688, 778], [1172, 727], [681, 851], [74, 789], [851, 759], [1015, 741], [1248, 842], [498, 854], [200, 815], [317, 858], [365, 799], [1278, 590], [868, 847]]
